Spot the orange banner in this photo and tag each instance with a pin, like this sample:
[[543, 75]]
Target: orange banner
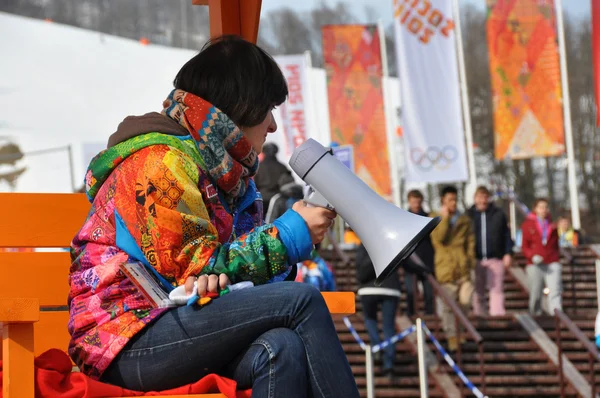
[[525, 74], [352, 56]]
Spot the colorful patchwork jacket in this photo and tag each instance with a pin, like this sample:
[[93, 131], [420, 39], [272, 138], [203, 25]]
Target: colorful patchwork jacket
[[155, 200]]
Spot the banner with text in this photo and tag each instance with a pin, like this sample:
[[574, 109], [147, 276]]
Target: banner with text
[[525, 74], [293, 111], [352, 55], [431, 114]]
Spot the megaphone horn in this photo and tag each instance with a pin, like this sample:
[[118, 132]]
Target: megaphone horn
[[389, 233]]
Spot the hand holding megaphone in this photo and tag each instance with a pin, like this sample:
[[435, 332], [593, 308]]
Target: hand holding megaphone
[[318, 219], [389, 233], [315, 199]]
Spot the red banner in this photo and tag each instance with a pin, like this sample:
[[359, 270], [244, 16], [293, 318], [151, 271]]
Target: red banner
[[525, 74], [596, 54], [353, 65]]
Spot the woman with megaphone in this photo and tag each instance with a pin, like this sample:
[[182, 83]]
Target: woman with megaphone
[[173, 199]]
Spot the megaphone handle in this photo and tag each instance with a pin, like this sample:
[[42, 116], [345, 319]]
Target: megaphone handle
[[315, 199]]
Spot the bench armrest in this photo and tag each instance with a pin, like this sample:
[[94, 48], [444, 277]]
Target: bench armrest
[[19, 310], [343, 303]]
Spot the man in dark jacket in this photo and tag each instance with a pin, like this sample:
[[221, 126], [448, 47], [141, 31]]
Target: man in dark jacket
[[493, 249], [388, 295], [421, 259], [269, 173], [290, 193]]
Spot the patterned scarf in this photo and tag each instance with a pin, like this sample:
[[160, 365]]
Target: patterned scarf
[[229, 158]]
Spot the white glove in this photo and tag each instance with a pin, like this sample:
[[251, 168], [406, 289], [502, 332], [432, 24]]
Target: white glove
[[537, 259]]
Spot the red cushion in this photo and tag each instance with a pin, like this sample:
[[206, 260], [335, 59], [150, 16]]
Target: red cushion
[[54, 378]]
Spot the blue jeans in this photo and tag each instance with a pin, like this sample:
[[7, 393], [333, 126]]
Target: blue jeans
[[410, 281], [389, 306], [278, 339]]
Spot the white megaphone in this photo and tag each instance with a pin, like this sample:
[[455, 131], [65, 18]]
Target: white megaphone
[[389, 233]]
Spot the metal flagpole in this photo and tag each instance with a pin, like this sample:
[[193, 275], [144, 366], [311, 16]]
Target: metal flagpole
[[573, 194], [421, 356], [465, 100], [513, 217], [390, 119], [370, 371]]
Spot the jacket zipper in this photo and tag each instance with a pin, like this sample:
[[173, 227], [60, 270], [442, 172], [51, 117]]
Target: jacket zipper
[[236, 212], [483, 236]]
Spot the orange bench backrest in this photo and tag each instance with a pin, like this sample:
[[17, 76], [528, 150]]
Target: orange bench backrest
[[51, 221], [40, 221]]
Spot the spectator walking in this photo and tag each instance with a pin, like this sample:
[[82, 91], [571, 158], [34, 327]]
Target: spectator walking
[[454, 244], [493, 250], [541, 249], [387, 296]]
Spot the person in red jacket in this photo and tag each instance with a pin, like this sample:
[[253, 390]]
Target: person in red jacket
[[540, 247]]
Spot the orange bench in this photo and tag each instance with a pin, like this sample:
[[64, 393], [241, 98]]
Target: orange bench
[[34, 285]]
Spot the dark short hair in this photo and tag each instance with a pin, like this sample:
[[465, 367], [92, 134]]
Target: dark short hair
[[482, 189], [270, 149], [236, 76], [540, 200], [415, 193], [447, 190]]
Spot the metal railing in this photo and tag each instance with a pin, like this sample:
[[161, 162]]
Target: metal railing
[[422, 332], [460, 318], [594, 356], [337, 250]]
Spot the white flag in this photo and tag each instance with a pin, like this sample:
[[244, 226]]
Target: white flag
[[293, 113], [431, 111]]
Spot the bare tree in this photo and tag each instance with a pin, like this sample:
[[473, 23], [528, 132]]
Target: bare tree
[[326, 15], [10, 155], [289, 32], [583, 113]]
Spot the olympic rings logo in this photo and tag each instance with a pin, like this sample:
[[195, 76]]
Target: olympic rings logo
[[434, 157]]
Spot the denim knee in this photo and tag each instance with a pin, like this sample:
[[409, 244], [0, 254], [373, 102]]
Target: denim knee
[[283, 347], [302, 293]]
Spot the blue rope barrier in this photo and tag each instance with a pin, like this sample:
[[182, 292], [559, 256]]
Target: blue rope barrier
[[453, 365], [383, 344], [438, 346], [355, 333], [394, 339]]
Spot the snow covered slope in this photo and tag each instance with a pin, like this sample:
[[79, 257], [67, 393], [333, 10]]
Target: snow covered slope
[[61, 85]]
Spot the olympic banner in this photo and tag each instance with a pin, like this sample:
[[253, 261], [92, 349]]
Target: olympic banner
[[293, 111], [525, 74], [352, 55], [431, 114]]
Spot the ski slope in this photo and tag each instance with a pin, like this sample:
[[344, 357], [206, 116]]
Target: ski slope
[[61, 85]]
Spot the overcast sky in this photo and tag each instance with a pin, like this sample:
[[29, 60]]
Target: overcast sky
[[577, 8]]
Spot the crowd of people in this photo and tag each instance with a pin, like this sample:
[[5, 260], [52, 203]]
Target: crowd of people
[[468, 254]]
